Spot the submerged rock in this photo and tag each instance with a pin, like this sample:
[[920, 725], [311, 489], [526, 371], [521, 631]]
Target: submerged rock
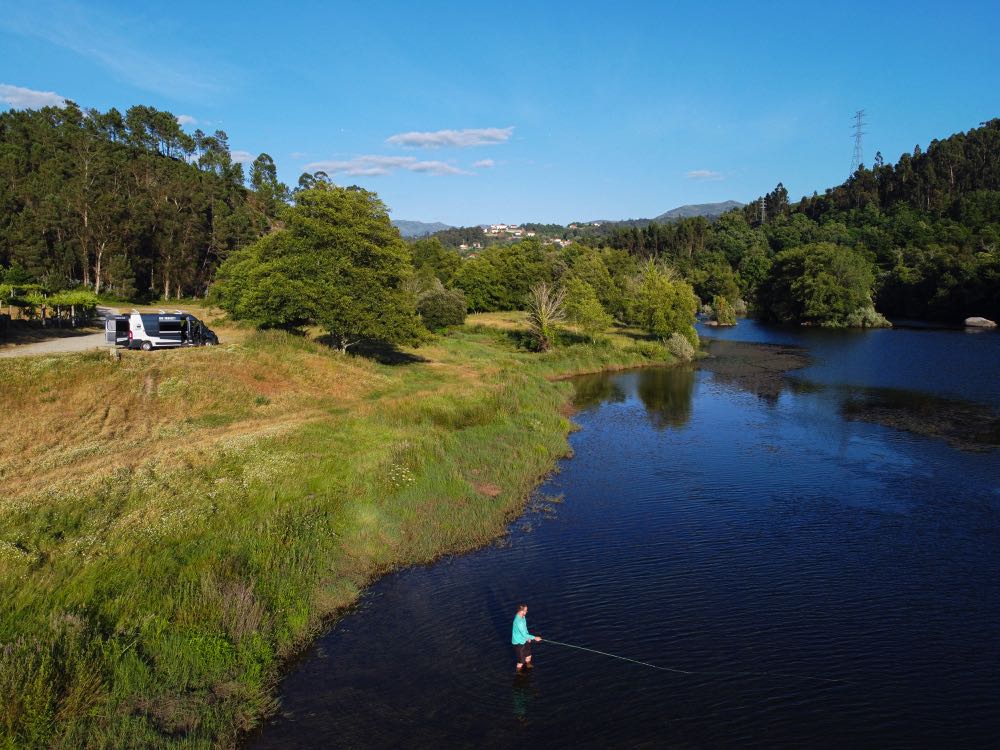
[[978, 322]]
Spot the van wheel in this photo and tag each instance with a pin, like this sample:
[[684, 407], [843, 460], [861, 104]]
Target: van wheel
[[146, 346]]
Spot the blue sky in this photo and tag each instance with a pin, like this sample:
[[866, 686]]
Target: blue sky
[[551, 111]]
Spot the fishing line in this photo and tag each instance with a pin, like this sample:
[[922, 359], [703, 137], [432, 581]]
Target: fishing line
[[684, 671]]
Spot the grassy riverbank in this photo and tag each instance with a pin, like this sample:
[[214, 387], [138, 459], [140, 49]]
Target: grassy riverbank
[[174, 525]]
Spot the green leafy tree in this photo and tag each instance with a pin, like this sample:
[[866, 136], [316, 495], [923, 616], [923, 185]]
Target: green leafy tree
[[753, 269], [501, 276], [482, 283], [715, 278], [271, 194], [338, 264], [819, 284], [431, 258], [776, 203], [584, 309], [128, 201], [835, 283], [666, 304], [589, 266]]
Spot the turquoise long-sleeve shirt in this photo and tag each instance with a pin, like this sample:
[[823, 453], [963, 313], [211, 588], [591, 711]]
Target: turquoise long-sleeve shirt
[[520, 636]]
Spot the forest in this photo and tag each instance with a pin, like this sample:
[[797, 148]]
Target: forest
[[127, 204], [133, 206], [926, 228]]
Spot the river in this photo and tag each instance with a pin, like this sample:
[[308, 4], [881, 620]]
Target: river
[[821, 551]]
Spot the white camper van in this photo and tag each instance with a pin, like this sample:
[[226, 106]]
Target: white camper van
[[158, 330]]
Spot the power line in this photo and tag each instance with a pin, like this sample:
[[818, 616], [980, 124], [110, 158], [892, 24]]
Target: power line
[[859, 153]]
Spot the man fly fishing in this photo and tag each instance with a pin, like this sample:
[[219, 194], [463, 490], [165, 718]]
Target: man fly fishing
[[521, 638]]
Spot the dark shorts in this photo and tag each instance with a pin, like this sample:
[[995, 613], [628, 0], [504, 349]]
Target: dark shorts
[[522, 652]]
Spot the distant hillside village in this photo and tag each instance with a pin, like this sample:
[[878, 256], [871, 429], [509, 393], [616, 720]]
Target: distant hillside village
[[469, 240], [514, 230], [510, 232]]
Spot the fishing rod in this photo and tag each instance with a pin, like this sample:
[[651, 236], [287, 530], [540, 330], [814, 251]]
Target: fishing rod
[[684, 671]]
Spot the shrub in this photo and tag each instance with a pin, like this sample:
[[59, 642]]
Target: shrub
[[867, 317], [545, 311], [680, 347], [439, 307]]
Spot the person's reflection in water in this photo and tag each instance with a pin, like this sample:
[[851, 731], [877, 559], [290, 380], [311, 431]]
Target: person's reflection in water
[[521, 695]]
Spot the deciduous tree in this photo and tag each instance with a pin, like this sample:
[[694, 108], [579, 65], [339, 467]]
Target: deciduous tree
[[338, 264]]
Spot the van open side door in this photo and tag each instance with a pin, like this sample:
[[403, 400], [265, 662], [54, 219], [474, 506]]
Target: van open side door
[[116, 330]]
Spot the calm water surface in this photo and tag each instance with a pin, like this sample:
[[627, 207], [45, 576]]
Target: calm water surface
[[705, 528]]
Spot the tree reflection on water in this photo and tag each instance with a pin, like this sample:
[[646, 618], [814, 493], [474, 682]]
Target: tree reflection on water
[[666, 392], [592, 390], [667, 395]]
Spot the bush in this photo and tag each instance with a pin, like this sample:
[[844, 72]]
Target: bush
[[545, 311], [439, 307], [723, 312], [867, 317], [680, 347]]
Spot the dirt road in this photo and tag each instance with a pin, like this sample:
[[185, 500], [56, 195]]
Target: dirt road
[[61, 344]]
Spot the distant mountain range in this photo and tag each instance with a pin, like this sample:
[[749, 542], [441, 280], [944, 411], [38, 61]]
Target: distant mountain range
[[418, 228], [708, 210]]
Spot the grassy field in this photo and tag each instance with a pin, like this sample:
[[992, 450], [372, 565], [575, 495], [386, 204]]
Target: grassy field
[[176, 524]]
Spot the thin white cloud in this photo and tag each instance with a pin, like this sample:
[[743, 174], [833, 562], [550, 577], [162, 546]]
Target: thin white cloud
[[484, 164], [186, 120], [243, 157], [121, 43], [453, 138], [434, 167], [373, 165], [22, 98], [704, 175], [298, 155]]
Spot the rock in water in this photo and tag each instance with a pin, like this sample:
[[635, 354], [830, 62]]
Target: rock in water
[[980, 323]]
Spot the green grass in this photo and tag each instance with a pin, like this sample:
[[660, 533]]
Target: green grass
[[151, 601]]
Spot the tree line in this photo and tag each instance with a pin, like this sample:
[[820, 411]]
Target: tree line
[[128, 204], [132, 205], [919, 239]]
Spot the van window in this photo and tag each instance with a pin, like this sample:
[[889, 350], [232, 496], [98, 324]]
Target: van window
[[151, 323]]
